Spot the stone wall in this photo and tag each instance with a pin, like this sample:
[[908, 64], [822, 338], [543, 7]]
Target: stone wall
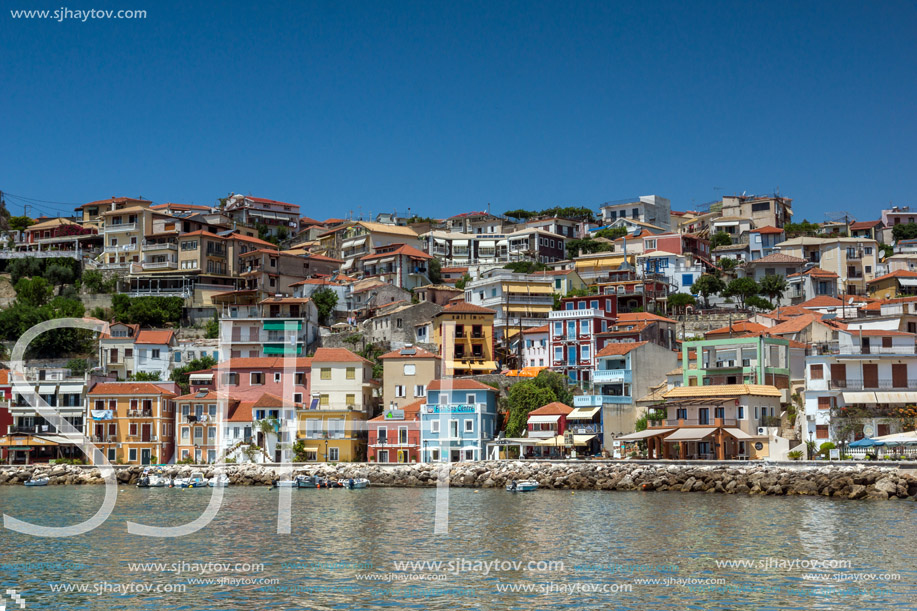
[[859, 481]]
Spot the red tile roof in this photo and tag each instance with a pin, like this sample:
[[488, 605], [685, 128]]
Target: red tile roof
[[541, 329], [419, 353], [305, 220], [815, 271], [148, 336], [463, 307], [787, 312], [619, 348], [453, 270], [639, 316], [315, 257], [552, 409], [241, 411], [129, 388], [739, 326], [114, 200], [458, 384], [767, 229], [793, 325], [879, 333], [777, 257], [404, 249], [411, 412], [864, 225], [822, 301], [202, 232], [336, 355], [252, 240], [876, 306], [259, 362], [900, 273]]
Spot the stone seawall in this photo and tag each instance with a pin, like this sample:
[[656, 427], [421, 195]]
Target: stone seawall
[[843, 481]]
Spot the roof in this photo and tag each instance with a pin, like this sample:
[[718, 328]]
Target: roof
[[541, 329], [778, 257], [787, 312], [864, 225], [419, 353], [453, 270], [211, 395], [793, 325], [204, 233], [305, 220], [403, 249], [767, 229], [337, 355], [458, 384], [149, 336], [391, 229], [315, 257], [241, 411], [822, 301], [723, 390], [258, 362], [129, 388], [639, 316], [52, 223], [463, 307], [252, 240], [876, 306], [172, 205], [124, 210], [411, 412], [901, 273], [816, 272], [552, 409], [879, 333], [280, 300], [114, 200], [740, 326], [263, 200], [619, 348]]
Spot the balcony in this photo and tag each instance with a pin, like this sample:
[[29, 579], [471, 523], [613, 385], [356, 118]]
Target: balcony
[[139, 413], [154, 246], [858, 384], [120, 227], [834, 348], [160, 265], [600, 376], [586, 313], [599, 400], [697, 422]]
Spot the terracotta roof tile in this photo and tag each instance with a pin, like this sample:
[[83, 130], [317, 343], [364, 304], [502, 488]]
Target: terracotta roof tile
[[619, 348], [767, 229], [638, 316], [419, 353], [463, 307], [148, 336], [336, 355], [900, 273], [822, 301], [739, 326], [403, 249], [458, 384], [777, 257], [552, 409], [541, 329], [723, 390], [411, 412], [129, 388]]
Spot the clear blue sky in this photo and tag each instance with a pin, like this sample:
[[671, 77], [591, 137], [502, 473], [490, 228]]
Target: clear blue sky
[[445, 107]]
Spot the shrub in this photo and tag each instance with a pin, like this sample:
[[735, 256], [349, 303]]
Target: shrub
[[794, 455]]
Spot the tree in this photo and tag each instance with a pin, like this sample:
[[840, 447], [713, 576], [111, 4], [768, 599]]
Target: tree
[[904, 231], [180, 375], [77, 367], [372, 352], [325, 300], [146, 376], [773, 287], [759, 303], [887, 250], [525, 267], [611, 233], [727, 264], [20, 223], [720, 238], [557, 383], [434, 271], [97, 282], [520, 214], [24, 268], [804, 228], [147, 311], [59, 275], [524, 397], [212, 328], [680, 301], [585, 246], [34, 292], [708, 285], [743, 288], [462, 282]]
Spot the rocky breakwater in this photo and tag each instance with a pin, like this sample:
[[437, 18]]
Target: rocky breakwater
[[836, 480]]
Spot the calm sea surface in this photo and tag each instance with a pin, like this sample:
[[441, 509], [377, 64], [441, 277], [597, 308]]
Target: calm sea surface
[[545, 550]]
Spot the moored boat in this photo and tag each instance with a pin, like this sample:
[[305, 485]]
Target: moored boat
[[526, 485], [153, 479], [195, 480], [38, 481], [218, 481], [356, 483]]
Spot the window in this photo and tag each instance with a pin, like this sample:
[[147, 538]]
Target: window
[[469, 425], [470, 399], [687, 279], [558, 329], [132, 429], [584, 327], [816, 372], [277, 377], [325, 373], [869, 269], [581, 305], [821, 431], [434, 454], [868, 250], [584, 353], [313, 428], [434, 426], [323, 400], [824, 403], [399, 391], [350, 399], [650, 244], [741, 412], [453, 428], [335, 428], [410, 370], [132, 454], [178, 357], [155, 353], [212, 433], [756, 413], [351, 373], [761, 207], [334, 454], [420, 390], [297, 397], [594, 304], [558, 354], [256, 378]]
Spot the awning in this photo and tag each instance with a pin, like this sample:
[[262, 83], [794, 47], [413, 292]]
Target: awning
[[201, 377], [485, 366], [583, 413], [47, 390], [503, 243], [487, 244], [643, 434], [280, 325], [309, 449], [738, 433], [690, 434], [282, 349], [896, 397], [558, 440], [543, 419], [71, 388], [859, 397], [101, 414], [907, 281], [459, 243]]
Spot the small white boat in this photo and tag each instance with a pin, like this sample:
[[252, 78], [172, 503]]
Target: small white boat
[[290, 483], [526, 485], [38, 481], [153, 479], [219, 481], [196, 480], [356, 483]]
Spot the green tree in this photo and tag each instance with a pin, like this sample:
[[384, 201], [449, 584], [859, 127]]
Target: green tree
[[20, 223], [97, 282], [212, 328], [904, 231], [24, 268], [325, 300], [34, 292], [759, 303], [77, 367], [720, 238], [707, 285], [525, 267], [680, 301], [520, 214], [372, 352], [59, 275], [773, 287], [727, 264], [462, 282], [611, 233], [887, 250], [434, 271], [147, 311], [743, 288], [146, 376], [524, 397], [180, 375], [557, 383], [803, 228]]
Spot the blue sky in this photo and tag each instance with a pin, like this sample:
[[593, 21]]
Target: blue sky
[[445, 107]]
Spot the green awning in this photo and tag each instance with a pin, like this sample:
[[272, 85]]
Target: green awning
[[282, 349], [280, 325]]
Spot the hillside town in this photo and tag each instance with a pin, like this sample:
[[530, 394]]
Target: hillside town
[[247, 332]]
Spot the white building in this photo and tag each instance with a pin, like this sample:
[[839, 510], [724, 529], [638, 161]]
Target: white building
[[650, 209], [535, 348]]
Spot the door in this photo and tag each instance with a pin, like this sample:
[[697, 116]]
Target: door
[[146, 433], [899, 375], [145, 455], [838, 375], [703, 415], [870, 375], [383, 455], [455, 456]]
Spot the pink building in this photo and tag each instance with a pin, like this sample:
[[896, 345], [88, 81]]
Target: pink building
[[247, 379]]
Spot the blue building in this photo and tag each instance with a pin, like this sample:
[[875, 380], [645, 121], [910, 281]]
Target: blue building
[[458, 420]]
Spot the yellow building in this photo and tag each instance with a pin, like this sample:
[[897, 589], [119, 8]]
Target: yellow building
[[464, 333], [134, 422], [343, 399], [898, 283], [592, 267]]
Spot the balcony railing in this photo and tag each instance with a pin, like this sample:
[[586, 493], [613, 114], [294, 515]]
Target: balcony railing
[[611, 375], [160, 265], [120, 227], [584, 429], [697, 422], [858, 384], [151, 246], [599, 400], [586, 313], [842, 349]]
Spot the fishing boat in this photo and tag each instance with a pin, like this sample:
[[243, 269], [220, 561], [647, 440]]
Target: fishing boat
[[356, 483], [153, 478], [526, 485], [309, 481], [38, 481], [196, 480], [219, 481], [289, 483]]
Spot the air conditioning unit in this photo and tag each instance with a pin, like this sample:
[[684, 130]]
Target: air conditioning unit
[[762, 430], [155, 437]]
